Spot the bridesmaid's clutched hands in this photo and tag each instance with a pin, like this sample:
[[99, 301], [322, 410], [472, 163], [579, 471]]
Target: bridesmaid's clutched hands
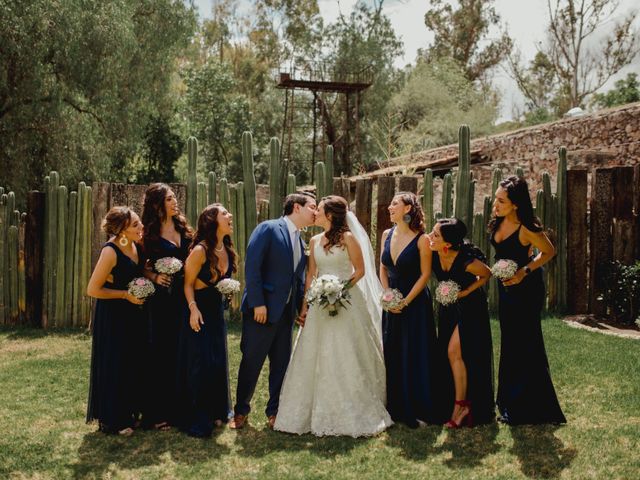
[[516, 279]]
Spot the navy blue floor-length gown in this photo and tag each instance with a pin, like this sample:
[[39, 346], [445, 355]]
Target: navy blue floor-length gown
[[115, 354], [471, 315], [409, 339], [165, 313], [525, 390], [203, 367]]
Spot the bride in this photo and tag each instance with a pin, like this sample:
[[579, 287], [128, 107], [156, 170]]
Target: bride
[[335, 382]]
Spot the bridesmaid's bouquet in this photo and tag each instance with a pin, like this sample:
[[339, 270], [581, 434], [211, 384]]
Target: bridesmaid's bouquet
[[504, 269], [329, 292], [447, 292], [391, 299], [227, 287], [141, 288], [169, 266]]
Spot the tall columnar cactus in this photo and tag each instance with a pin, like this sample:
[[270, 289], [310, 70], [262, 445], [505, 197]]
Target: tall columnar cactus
[[462, 179], [561, 220], [263, 210], [224, 193], [427, 199], [233, 208], [487, 209], [328, 170], [321, 181], [250, 203], [60, 308], [471, 222], [192, 180], [12, 242], [69, 257], [275, 179], [4, 281], [478, 231], [496, 178], [240, 223], [50, 259], [447, 197], [291, 184], [540, 205], [211, 189], [202, 200], [519, 172]]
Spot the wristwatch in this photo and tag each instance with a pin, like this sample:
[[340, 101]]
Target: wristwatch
[[527, 270]]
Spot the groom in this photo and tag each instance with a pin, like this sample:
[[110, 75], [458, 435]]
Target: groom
[[275, 275]]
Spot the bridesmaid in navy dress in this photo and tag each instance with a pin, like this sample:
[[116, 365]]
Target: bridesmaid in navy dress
[[464, 332], [117, 326], [203, 372], [525, 390], [409, 333], [166, 234]]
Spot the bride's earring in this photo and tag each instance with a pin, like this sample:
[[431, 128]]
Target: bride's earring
[[406, 218], [123, 241]]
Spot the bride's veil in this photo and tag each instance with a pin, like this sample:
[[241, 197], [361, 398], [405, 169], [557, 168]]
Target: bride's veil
[[369, 284]]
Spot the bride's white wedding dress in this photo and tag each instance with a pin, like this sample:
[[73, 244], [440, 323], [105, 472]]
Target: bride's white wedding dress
[[335, 382]]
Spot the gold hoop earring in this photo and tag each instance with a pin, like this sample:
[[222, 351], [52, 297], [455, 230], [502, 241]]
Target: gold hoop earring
[[124, 241]]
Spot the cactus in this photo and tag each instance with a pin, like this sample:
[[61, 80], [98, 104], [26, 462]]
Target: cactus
[[291, 184], [77, 314], [328, 170], [471, 194], [487, 208], [561, 221], [427, 199], [447, 201], [233, 208], [263, 211], [211, 189], [201, 200], [50, 259], [540, 205], [69, 257], [240, 220], [478, 230], [250, 203], [462, 179], [86, 253], [275, 179], [60, 307], [321, 182], [192, 182], [4, 262], [12, 256], [519, 172], [224, 193]]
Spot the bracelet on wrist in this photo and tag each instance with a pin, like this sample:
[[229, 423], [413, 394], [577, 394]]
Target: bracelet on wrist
[[192, 302]]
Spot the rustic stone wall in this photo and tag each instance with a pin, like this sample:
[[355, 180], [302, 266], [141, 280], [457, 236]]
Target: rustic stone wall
[[604, 138]]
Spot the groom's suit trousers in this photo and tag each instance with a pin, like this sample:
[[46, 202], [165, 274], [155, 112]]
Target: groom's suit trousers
[[260, 341]]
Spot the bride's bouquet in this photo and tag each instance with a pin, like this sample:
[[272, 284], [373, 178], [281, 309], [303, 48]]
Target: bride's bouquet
[[447, 292], [329, 292], [169, 266], [391, 299], [141, 288], [504, 269], [227, 287]]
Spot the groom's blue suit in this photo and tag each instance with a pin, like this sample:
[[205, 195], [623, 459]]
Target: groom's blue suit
[[271, 281]]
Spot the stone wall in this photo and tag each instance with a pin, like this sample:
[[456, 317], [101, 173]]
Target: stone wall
[[604, 138]]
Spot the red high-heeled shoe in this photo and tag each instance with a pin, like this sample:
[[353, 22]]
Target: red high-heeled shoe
[[467, 420]]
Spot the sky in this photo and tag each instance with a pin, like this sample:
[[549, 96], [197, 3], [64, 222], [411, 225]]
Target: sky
[[525, 21]]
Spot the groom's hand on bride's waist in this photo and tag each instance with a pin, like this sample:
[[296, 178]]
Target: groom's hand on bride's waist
[[260, 314]]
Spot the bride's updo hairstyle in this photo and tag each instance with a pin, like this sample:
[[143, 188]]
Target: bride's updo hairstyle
[[417, 215], [335, 209]]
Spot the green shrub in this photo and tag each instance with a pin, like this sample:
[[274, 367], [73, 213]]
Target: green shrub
[[622, 294]]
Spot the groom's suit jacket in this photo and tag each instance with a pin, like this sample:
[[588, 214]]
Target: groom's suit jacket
[[269, 273]]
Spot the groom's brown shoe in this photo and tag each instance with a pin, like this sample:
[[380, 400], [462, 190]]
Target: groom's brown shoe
[[239, 421], [271, 421]]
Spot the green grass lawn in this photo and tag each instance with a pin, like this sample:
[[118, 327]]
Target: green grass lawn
[[43, 393]]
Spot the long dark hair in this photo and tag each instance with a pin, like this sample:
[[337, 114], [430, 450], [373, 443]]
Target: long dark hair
[[417, 215], [337, 207], [206, 234], [454, 231], [154, 213], [518, 192]]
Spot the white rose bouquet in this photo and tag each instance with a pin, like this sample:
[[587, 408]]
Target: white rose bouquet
[[228, 287], [329, 292], [447, 292], [141, 288], [504, 269], [391, 299]]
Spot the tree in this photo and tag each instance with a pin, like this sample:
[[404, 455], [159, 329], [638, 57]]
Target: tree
[[75, 83], [461, 34], [626, 90], [435, 100], [580, 55]]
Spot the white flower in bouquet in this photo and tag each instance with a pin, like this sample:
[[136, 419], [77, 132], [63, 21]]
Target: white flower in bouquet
[[447, 292], [141, 288], [329, 292], [504, 269], [391, 299], [228, 286], [168, 265]]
